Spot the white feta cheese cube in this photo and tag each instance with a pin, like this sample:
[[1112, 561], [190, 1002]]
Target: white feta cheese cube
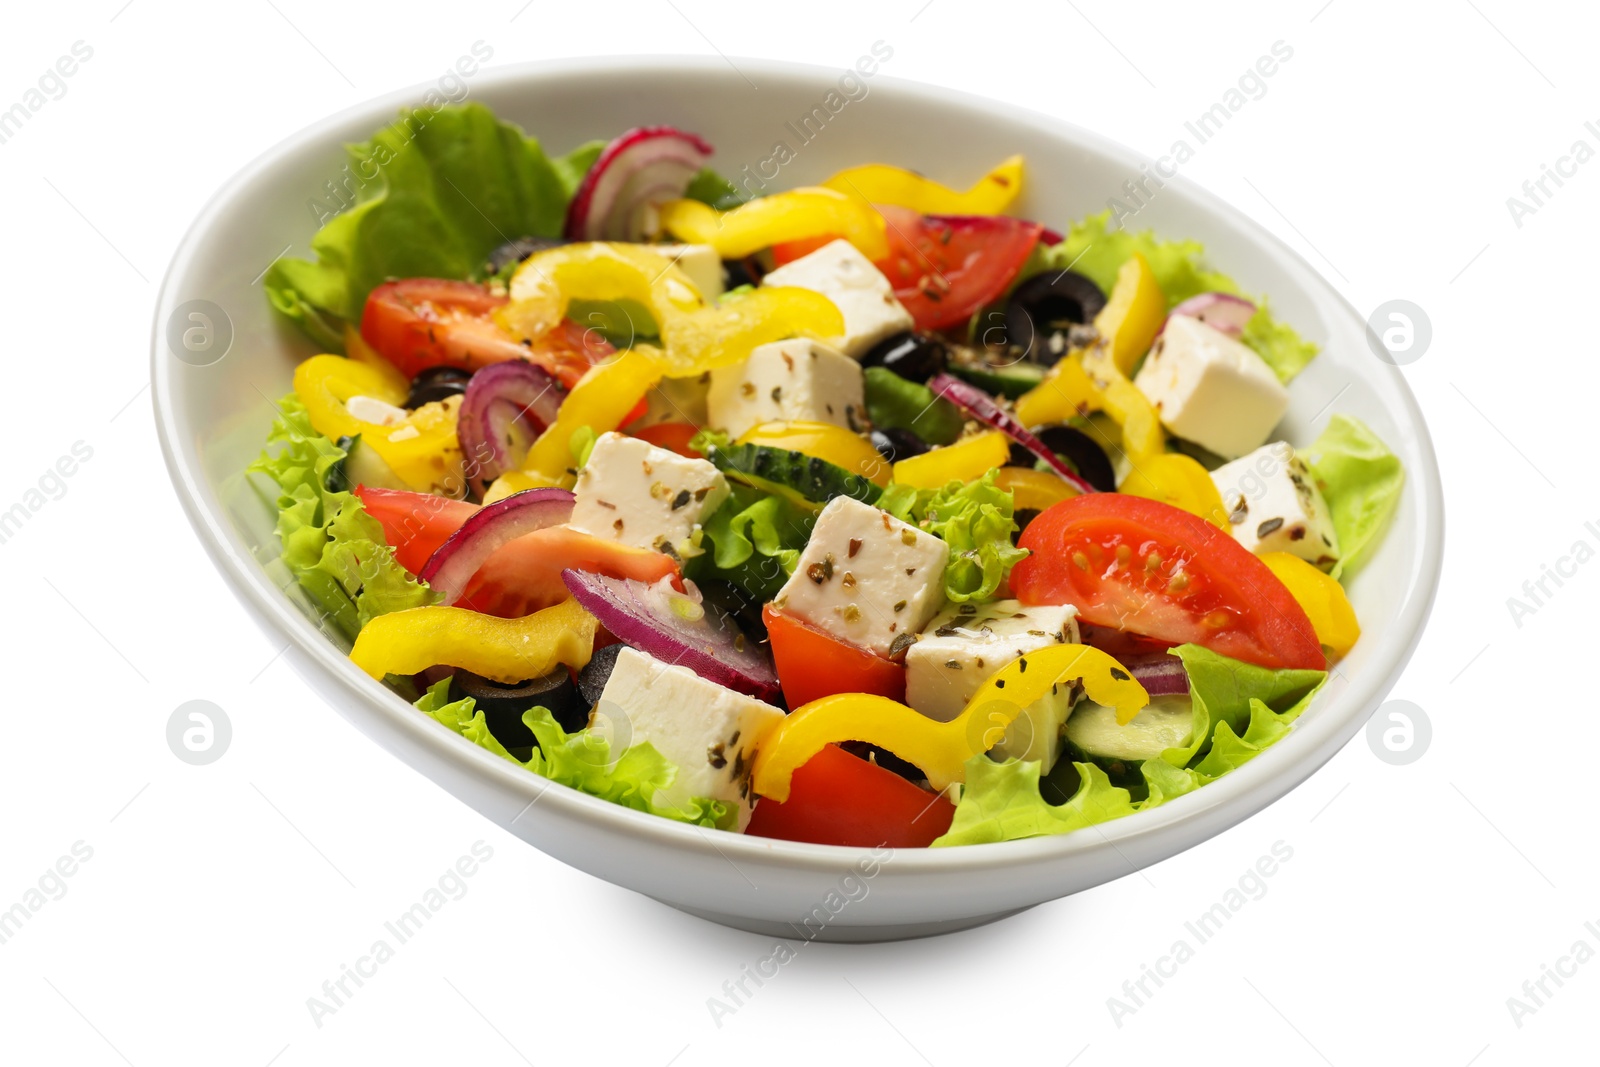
[[866, 577], [676, 400], [710, 732], [797, 379], [1210, 389], [700, 263], [1274, 505], [966, 645], [633, 492], [864, 296]]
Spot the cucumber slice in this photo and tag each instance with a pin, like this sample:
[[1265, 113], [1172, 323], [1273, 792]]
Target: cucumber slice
[[805, 480], [1164, 723], [1010, 381], [360, 466]]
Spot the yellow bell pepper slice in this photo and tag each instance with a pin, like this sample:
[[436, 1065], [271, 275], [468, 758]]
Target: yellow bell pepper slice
[[1133, 314], [964, 461], [422, 451], [603, 397], [1066, 392], [1176, 479], [878, 183], [724, 335], [810, 211], [548, 281], [1032, 489], [1097, 378], [513, 482], [941, 749], [502, 650], [1322, 597], [825, 441]]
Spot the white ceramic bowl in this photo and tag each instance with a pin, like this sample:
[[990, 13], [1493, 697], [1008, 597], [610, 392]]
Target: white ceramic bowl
[[212, 421]]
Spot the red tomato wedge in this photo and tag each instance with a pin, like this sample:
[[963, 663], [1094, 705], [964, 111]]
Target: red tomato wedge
[[839, 799], [946, 267], [673, 436], [1149, 568], [524, 576], [419, 323], [813, 664], [414, 524]]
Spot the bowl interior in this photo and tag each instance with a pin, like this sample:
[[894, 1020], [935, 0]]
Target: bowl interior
[[213, 419]]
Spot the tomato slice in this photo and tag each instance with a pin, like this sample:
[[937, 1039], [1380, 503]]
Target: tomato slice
[[524, 576], [673, 436], [813, 664], [839, 799], [789, 251], [1149, 568], [414, 524], [946, 267], [419, 323]]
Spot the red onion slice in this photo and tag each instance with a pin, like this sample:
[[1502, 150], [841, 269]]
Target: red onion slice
[[981, 406], [452, 565], [1160, 674], [644, 167], [506, 406], [674, 628], [1223, 312]]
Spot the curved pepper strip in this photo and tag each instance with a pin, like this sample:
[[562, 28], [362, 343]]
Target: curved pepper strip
[[810, 211], [724, 335], [1133, 314], [548, 281], [878, 183], [966, 461], [1067, 392], [1176, 479], [501, 650], [602, 400], [825, 441], [1096, 378], [1322, 597], [941, 749], [1033, 490], [423, 451]]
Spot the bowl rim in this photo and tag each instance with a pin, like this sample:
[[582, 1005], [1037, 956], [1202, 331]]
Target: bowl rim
[[1163, 831]]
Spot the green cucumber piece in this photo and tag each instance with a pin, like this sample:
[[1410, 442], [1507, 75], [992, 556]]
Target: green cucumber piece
[[1010, 381], [1164, 723], [805, 480], [360, 466]]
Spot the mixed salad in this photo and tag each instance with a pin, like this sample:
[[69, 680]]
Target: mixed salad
[[863, 513]]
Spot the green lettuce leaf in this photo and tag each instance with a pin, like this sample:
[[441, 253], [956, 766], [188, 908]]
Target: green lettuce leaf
[[581, 760], [1223, 691], [709, 187], [1240, 709], [894, 402], [1002, 802], [334, 549], [975, 520], [1093, 249], [443, 195], [756, 539], [1360, 480]]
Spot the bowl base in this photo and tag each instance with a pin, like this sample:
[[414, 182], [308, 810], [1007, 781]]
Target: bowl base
[[839, 933]]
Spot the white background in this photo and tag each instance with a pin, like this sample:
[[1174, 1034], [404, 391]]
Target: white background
[[219, 898]]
